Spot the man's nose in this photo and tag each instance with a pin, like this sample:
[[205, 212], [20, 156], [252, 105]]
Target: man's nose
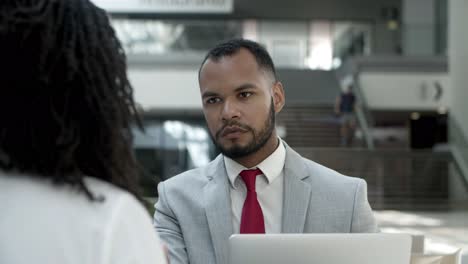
[[231, 110]]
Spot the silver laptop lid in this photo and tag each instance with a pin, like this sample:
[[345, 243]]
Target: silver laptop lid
[[320, 249]]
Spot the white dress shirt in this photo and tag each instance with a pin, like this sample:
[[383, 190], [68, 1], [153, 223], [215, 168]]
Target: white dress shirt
[[269, 187], [44, 223]]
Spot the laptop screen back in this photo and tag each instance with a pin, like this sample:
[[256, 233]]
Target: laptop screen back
[[320, 249]]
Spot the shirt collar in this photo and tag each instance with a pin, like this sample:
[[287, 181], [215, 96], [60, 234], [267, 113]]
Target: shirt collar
[[271, 166]]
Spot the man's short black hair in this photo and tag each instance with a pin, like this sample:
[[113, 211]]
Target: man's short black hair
[[233, 46]]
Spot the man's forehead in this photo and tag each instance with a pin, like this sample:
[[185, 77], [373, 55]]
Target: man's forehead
[[242, 56], [242, 61]]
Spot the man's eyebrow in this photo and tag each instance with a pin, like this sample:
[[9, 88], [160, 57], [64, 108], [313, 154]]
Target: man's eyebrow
[[245, 87], [238, 89], [209, 94]]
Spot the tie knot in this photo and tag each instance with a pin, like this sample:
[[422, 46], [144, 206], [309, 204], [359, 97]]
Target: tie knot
[[249, 177]]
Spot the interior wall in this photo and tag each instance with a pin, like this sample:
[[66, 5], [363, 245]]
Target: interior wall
[[177, 88], [419, 27], [406, 91], [458, 61], [458, 65], [166, 88]]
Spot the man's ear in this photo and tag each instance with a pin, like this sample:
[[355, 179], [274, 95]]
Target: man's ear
[[278, 96]]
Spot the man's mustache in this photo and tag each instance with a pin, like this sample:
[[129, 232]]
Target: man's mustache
[[232, 124]]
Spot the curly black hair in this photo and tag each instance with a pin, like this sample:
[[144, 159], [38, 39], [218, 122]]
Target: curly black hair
[[66, 105]]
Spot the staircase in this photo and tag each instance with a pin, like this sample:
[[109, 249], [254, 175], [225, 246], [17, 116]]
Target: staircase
[[310, 126], [396, 179]]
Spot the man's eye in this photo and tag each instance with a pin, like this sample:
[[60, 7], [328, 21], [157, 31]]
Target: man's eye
[[213, 100], [245, 94]]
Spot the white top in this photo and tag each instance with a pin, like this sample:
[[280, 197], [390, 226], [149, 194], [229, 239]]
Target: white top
[[269, 187], [43, 223]]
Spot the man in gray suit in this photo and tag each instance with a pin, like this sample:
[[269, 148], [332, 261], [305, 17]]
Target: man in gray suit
[[258, 184]]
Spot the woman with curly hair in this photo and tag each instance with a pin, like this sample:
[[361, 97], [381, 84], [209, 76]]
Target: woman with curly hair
[[68, 177]]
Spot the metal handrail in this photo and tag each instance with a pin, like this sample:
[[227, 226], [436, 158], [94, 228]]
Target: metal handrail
[[363, 115], [398, 178], [460, 164], [460, 159]]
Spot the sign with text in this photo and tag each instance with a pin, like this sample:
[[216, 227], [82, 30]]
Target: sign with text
[[166, 6]]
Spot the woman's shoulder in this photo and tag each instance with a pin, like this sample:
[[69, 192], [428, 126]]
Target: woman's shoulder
[[100, 188], [49, 196], [110, 199]]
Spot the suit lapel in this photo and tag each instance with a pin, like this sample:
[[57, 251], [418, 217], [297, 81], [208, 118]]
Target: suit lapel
[[218, 208], [296, 193]]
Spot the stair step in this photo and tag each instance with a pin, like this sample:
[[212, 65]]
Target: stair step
[[310, 126]]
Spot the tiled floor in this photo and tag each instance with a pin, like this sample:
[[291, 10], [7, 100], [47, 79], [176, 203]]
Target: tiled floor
[[444, 231]]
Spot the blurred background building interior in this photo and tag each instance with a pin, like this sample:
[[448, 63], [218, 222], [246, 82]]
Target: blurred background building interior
[[407, 61]]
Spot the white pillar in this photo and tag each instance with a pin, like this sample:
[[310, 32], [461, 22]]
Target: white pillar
[[419, 27], [458, 68], [458, 61]]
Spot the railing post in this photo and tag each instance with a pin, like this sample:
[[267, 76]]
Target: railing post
[[363, 116]]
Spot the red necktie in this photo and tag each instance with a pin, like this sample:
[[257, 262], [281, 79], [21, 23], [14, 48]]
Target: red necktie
[[252, 216]]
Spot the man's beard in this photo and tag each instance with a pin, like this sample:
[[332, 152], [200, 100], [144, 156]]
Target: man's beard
[[259, 138]]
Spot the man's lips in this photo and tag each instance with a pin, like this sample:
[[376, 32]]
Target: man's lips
[[232, 130]]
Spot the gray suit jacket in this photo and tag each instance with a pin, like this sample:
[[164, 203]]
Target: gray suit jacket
[[193, 213]]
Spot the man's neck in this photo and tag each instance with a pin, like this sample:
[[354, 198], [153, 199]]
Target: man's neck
[[259, 156]]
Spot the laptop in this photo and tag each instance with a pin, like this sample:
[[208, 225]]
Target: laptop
[[320, 249]]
